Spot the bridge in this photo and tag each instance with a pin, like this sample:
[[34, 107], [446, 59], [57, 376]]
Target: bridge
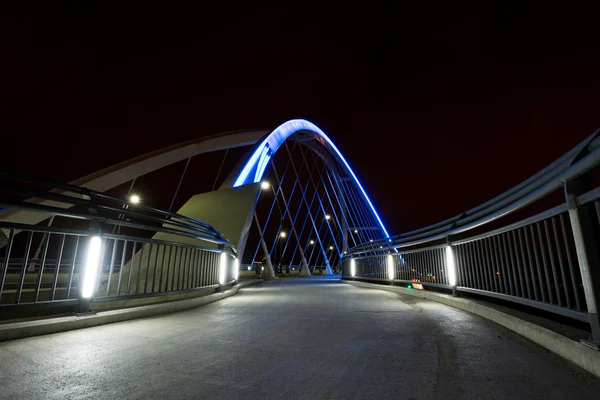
[[315, 298]]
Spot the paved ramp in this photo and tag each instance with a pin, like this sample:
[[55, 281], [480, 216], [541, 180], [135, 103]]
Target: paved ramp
[[297, 338]]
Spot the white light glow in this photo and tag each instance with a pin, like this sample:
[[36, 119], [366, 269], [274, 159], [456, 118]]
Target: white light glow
[[134, 199], [265, 185], [352, 267], [450, 266], [330, 247], [356, 231], [222, 268], [236, 269], [282, 234], [328, 216], [249, 268], [92, 264], [262, 268], [259, 159], [391, 266], [312, 242]]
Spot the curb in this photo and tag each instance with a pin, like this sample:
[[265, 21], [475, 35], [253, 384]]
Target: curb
[[566, 348], [20, 330]]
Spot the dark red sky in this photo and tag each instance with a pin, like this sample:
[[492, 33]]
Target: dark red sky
[[438, 108]]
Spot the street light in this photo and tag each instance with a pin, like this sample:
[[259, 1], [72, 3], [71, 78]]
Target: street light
[[282, 234], [134, 199], [330, 247], [328, 216], [265, 185], [312, 242], [356, 231]]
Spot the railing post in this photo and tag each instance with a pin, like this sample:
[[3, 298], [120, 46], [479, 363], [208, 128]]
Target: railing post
[[586, 233]]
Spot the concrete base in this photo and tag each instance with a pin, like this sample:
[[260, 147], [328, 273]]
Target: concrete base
[[575, 352], [19, 330], [304, 271]]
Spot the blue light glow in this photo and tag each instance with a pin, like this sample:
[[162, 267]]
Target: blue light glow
[[260, 158]]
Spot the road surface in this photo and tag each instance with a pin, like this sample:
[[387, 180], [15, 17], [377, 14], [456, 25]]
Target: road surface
[[293, 338]]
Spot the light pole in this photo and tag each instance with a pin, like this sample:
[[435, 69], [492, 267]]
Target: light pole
[[281, 239]]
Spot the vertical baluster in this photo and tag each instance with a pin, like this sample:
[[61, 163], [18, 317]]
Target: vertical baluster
[[561, 264], [58, 261], [553, 264], [571, 263], [538, 265], [489, 265], [11, 236], [512, 284], [517, 262], [148, 266], [123, 255], [24, 267], [545, 263], [131, 267], [112, 265], [42, 267]]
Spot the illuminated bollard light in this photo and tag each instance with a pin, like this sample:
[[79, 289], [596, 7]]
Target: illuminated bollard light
[[352, 267], [236, 269], [222, 268], [391, 267], [92, 263], [451, 268], [90, 272]]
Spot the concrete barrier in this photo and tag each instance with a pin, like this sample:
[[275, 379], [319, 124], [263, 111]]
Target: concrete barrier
[[24, 329], [568, 349]]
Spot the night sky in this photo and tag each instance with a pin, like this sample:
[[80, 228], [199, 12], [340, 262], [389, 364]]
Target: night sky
[[437, 108]]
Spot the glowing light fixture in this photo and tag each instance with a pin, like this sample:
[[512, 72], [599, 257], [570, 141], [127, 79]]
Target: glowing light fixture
[[249, 268], [263, 152], [134, 199], [450, 266], [92, 264], [330, 247], [282, 234], [236, 269], [327, 216], [356, 231], [390, 267], [222, 268], [265, 185], [312, 242], [370, 240], [352, 267]]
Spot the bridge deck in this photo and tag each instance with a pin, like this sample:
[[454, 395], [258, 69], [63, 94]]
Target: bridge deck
[[314, 339]]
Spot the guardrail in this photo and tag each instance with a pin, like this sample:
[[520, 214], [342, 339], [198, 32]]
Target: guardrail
[[81, 256], [548, 261]]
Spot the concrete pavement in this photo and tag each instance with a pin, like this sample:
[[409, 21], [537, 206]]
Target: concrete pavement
[[293, 338]]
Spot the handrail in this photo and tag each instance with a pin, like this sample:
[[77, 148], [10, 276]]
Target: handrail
[[96, 211], [539, 185]]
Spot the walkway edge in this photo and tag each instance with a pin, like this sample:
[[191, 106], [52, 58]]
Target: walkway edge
[[20, 330], [566, 348]]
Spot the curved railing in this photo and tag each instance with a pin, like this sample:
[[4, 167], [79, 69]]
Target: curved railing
[[91, 247], [549, 260]]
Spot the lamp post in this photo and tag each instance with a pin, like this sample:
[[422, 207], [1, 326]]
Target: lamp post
[[282, 236]]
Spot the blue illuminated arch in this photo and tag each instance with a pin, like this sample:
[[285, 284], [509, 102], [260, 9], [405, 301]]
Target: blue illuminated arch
[[255, 167]]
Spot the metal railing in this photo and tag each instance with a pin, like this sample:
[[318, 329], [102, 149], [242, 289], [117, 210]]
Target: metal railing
[[45, 265], [549, 261]]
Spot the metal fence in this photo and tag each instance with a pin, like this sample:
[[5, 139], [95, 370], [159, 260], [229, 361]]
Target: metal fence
[[548, 261], [50, 266]]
